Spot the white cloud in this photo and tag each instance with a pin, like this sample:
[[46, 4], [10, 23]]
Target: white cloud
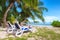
[[47, 19], [30, 20], [51, 18]]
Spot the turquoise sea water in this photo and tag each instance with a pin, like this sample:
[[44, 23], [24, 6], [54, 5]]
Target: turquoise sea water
[[40, 25]]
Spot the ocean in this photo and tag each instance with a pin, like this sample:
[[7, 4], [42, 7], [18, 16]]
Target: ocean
[[40, 25]]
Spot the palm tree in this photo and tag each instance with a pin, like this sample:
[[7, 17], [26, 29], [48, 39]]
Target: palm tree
[[28, 8], [5, 9], [2, 7]]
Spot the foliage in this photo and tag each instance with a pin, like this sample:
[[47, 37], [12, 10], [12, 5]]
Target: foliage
[[0, 8], [10, 38], [56, 23], [32, 9], [27, 7]]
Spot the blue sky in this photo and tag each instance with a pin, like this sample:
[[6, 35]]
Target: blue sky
[[53, 7]]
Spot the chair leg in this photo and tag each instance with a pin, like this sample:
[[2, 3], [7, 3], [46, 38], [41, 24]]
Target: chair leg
[[19, 34], [10, 31]]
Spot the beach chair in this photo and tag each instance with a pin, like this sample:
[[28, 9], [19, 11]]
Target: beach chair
[[11, 28], [21, 30], [18, 32]]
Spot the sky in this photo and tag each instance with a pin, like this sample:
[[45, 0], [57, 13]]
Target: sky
[[53, 7]]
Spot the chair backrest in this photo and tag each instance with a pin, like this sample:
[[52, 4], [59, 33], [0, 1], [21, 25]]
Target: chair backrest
[[17, 26], [9, 25]]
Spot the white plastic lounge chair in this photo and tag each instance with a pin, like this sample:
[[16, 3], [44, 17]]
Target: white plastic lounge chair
[[11, 28], [18, 32], [21, 30]]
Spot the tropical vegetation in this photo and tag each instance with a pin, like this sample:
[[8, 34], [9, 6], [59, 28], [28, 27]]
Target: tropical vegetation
[[29, 8], [56, 23]]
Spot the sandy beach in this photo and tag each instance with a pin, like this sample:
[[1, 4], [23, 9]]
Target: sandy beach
[[3, 33]]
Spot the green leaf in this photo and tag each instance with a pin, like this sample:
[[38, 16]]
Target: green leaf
[[0, 8]]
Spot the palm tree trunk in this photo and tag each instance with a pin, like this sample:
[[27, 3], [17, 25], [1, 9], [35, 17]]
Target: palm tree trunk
[[5, 14]]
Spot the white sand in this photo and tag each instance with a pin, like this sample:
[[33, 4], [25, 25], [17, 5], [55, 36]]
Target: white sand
[[3, 34]]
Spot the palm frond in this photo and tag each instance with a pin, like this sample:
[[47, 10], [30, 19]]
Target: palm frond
[[40, 3], [43, 8], [40, 16]]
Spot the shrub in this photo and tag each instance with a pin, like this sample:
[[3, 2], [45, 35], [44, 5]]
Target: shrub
[[56, 23]]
